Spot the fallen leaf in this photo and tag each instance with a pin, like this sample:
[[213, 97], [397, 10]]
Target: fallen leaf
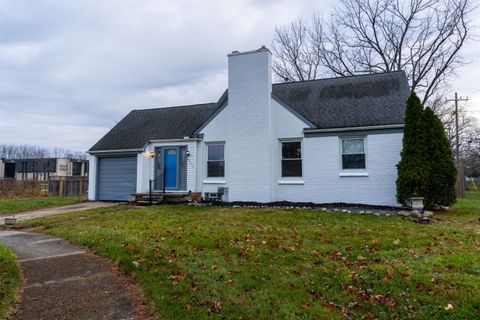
[[136, 263], [374, 241], [194, 287], [449, 307], [228, 282], [396, 242], [361, 258]]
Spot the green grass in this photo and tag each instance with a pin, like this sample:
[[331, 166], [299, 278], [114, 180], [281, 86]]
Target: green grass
[[9, 280], [216, 263], [25, 204]]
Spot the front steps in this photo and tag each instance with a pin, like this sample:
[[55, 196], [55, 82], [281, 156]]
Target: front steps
[[160, 197]]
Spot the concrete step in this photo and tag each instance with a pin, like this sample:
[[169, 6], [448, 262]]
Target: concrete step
[[158, 197]]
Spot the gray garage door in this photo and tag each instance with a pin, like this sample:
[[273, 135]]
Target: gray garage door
[[117, 177]]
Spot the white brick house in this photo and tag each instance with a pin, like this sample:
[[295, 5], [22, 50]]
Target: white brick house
[[322, 141]]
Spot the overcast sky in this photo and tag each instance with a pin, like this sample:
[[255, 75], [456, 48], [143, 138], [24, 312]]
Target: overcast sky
[[69, 70]]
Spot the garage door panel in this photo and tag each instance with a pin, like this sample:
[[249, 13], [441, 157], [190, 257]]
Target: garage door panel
[[117, 177]]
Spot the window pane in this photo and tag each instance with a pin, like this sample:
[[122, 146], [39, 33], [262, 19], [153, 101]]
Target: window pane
[[215, 169], [291, 168], [352, 146], [291, 150], [353, 161], [215, 151]]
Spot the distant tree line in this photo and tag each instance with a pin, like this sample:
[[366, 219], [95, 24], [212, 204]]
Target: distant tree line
[[24, 151]]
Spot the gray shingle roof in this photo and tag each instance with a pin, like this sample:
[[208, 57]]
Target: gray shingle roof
[[357, 101], [141, 126]]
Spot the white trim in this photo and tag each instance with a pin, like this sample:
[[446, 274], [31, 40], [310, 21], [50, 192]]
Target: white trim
[[207, 144], [208, 181], [353, 174], [291, 181], [365, 152], [286, 140], [388, 126], [173, 140]]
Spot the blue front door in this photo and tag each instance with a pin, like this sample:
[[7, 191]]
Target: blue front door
[[170, 163]]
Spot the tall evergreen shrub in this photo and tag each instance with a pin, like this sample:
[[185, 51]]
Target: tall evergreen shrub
[[426, 168], [442, 171], [412, 180]]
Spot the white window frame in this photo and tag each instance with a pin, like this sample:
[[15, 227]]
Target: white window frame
[[358, 172], [296, 179], [215, 179]]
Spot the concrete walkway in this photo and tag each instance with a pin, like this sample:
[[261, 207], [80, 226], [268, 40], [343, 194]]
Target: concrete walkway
[[27, 215], [62, 281]]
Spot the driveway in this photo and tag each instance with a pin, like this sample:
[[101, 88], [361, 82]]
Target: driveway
[[27, 215], [62, 281]]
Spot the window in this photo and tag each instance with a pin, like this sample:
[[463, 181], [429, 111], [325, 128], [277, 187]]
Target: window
[[216, 160], [353, 153], [292, 159]]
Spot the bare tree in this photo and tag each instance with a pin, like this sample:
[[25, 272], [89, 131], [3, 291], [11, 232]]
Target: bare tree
[[471, 152], [68, 154], [11, 151], [422, 37]]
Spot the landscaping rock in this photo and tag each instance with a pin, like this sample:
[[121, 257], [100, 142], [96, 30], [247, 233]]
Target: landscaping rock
[[404, 213], [424, 220], [415, 214], [427, 214]]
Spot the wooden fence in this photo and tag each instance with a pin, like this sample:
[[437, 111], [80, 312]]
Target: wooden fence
[[67, 186]]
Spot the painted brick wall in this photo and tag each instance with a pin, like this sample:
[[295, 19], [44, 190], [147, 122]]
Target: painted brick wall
[[321, 181], [322, 169], [249, 126], [253, 129]]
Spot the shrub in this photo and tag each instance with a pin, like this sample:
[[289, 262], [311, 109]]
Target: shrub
[[426, 168], [23, 188]]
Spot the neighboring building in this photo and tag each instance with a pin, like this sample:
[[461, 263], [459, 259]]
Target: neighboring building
[[322, 141], [42, 169]]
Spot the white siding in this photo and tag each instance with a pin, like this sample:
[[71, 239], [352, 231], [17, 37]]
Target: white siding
[[146, 167]]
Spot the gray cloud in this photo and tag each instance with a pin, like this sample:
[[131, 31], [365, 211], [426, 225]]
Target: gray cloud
[[70, 69]]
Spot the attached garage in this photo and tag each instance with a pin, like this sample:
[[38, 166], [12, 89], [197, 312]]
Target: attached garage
[[117, 177]]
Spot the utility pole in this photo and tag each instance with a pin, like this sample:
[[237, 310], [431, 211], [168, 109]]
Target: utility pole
[[460, 178]]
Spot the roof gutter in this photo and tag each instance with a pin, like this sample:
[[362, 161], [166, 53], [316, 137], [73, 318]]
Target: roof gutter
[[382, 127], [175, 140], [114, 151]]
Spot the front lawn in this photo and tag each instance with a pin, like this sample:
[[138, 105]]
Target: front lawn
[[24, 204], [240, 263], [9, 280]]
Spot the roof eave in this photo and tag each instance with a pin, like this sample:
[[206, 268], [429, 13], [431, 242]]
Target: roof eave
[[379, 127], [94, 152]]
